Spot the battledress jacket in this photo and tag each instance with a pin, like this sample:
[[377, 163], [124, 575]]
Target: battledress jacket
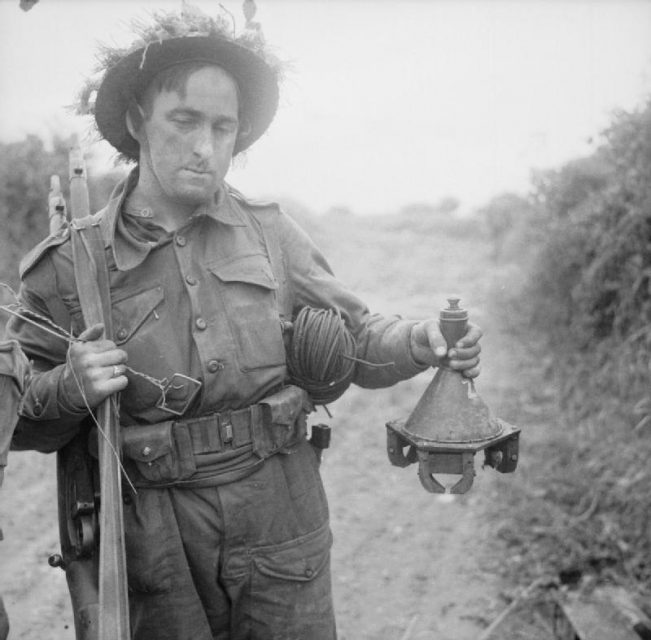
[[205, 301]]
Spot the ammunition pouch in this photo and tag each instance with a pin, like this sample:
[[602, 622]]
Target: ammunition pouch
[[160, 452], [216, 448]]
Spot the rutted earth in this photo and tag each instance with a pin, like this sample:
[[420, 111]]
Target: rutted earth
[[407, 564]]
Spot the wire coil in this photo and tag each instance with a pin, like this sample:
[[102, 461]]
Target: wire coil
[[321, 354]]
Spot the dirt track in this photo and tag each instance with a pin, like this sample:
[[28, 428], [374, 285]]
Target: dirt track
[[407, 565]]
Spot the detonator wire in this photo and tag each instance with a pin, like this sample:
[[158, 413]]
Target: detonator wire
[[323, 353]]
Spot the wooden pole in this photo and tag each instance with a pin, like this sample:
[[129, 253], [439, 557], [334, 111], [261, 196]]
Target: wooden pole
[[56, 205], [113, 594]]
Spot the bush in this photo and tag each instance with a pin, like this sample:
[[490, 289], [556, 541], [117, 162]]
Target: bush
[[588, 292], [25, 169], [509, 221]]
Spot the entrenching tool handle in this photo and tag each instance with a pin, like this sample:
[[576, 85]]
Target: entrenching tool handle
[[113, 589]]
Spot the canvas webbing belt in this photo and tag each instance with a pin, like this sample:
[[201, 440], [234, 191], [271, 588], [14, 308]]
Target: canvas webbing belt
[[218, 448]]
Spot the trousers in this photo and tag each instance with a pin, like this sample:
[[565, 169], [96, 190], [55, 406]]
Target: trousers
[[248, 560]]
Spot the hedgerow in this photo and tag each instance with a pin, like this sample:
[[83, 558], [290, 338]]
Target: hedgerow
[[585, 244]]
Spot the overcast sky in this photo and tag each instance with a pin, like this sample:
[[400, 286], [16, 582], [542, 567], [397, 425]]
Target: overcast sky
[[389, 101]]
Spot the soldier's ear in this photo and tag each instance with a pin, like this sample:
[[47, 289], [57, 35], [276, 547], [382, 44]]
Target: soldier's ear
[[244, 129], [135, 117]]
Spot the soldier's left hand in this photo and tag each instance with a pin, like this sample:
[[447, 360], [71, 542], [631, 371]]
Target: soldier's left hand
[[428, 346]]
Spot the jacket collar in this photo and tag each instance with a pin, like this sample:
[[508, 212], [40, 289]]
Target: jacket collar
[[128, 251]]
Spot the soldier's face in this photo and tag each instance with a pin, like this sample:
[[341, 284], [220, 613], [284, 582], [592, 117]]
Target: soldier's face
[[187, 139]]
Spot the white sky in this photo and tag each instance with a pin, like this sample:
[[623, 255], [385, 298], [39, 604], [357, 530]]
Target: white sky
[[388, 101]]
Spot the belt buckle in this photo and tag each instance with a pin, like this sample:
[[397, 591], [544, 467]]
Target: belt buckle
[[176, 382], [226, 429]]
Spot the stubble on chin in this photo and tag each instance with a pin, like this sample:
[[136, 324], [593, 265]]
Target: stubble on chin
[[196, 197]]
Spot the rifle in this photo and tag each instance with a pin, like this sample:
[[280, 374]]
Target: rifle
[[97, 581]]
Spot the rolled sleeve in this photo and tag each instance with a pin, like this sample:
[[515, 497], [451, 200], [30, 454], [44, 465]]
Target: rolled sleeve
[[386, 339], [46, 422]]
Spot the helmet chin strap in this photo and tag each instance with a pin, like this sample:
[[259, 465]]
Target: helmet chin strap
[[147, 178]]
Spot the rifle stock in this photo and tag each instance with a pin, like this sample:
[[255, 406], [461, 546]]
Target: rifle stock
[[77, 532]]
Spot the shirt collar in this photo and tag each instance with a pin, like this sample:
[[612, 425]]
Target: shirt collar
[[128, 251]]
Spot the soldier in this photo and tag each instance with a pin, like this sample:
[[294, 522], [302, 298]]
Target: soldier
[[14, 371], [228, 534]]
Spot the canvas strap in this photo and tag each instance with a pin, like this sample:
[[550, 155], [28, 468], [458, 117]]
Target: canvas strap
[[269, 226], [91, 273]]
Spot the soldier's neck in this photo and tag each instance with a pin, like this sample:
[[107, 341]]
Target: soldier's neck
[[167, 213]]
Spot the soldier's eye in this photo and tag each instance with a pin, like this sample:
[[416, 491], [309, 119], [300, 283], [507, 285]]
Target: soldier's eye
[[225, 129]]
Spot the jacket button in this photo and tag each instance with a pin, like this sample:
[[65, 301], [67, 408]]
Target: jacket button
[[190, 280], [37, 409], [121, 334], [214, 366], [146, 451], [181, 241], [200, 323], [309, 572]]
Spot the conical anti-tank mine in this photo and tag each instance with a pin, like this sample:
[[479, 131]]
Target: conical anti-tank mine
[[451, 423]]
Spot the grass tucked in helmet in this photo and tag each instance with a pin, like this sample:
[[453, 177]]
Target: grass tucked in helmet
[[173, 38]]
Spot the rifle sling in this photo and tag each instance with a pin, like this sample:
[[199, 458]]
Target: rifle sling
[[91, 273]]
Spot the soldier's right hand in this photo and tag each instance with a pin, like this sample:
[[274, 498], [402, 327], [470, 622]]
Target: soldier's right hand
[[95, 365]]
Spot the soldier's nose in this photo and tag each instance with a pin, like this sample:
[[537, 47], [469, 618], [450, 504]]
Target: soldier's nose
[[203, 148]]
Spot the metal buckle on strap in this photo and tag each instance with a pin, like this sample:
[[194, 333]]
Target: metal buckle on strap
[[226, 428], [177, 383]]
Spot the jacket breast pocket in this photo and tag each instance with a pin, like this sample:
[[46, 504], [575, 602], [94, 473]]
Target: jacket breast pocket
[[141, 326], [247, 289], [131, 313]]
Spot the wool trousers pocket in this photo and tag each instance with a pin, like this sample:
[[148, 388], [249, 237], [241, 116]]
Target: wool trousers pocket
[[161, 452], [290, 584]]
